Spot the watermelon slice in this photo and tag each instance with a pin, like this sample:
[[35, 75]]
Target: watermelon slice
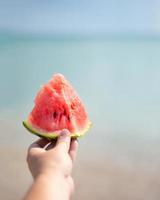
[[57, 106]]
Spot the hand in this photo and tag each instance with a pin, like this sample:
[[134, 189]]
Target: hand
[[54, 159]]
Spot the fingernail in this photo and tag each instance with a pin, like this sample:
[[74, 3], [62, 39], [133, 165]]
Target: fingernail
[[64, 132]]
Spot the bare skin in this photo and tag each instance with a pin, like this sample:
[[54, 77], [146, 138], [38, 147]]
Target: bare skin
[[51, 164]]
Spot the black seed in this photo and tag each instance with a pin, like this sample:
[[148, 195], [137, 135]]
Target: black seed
[[69, 118], [72, 106], [64, 112], [54, 114]]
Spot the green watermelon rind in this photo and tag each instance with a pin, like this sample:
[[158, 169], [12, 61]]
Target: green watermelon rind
[[53, 135]]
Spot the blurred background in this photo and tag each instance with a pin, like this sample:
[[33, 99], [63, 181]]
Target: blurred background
[[110, 51]]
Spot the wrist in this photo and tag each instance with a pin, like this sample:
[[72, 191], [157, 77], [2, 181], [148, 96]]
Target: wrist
[[50, 175], [54, 184]]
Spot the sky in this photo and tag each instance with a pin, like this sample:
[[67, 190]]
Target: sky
[[80, 16]]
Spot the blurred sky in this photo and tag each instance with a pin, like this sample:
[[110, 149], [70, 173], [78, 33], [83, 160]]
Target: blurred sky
[[80, 16]]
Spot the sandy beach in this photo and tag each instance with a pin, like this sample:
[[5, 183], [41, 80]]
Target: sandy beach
[[94, 179]]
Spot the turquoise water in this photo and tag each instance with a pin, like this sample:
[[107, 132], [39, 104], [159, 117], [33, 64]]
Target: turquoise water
[[117, 78]]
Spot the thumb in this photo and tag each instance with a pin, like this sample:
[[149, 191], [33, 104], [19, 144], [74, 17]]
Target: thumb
[[63, 141]]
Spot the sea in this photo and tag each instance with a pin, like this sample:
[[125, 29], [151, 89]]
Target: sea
[[117, 78]]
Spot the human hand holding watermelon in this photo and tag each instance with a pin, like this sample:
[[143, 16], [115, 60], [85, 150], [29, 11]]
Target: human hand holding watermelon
[[57, 107], [50, 163]]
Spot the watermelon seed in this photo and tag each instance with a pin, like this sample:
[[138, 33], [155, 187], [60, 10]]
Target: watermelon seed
[[72, 106], [64, 112], [54, 114], [68, 118]]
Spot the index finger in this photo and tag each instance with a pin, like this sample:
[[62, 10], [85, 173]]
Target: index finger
[[40, 143]]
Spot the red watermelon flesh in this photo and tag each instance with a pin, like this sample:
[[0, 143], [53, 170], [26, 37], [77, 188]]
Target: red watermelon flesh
[[57, 107]]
